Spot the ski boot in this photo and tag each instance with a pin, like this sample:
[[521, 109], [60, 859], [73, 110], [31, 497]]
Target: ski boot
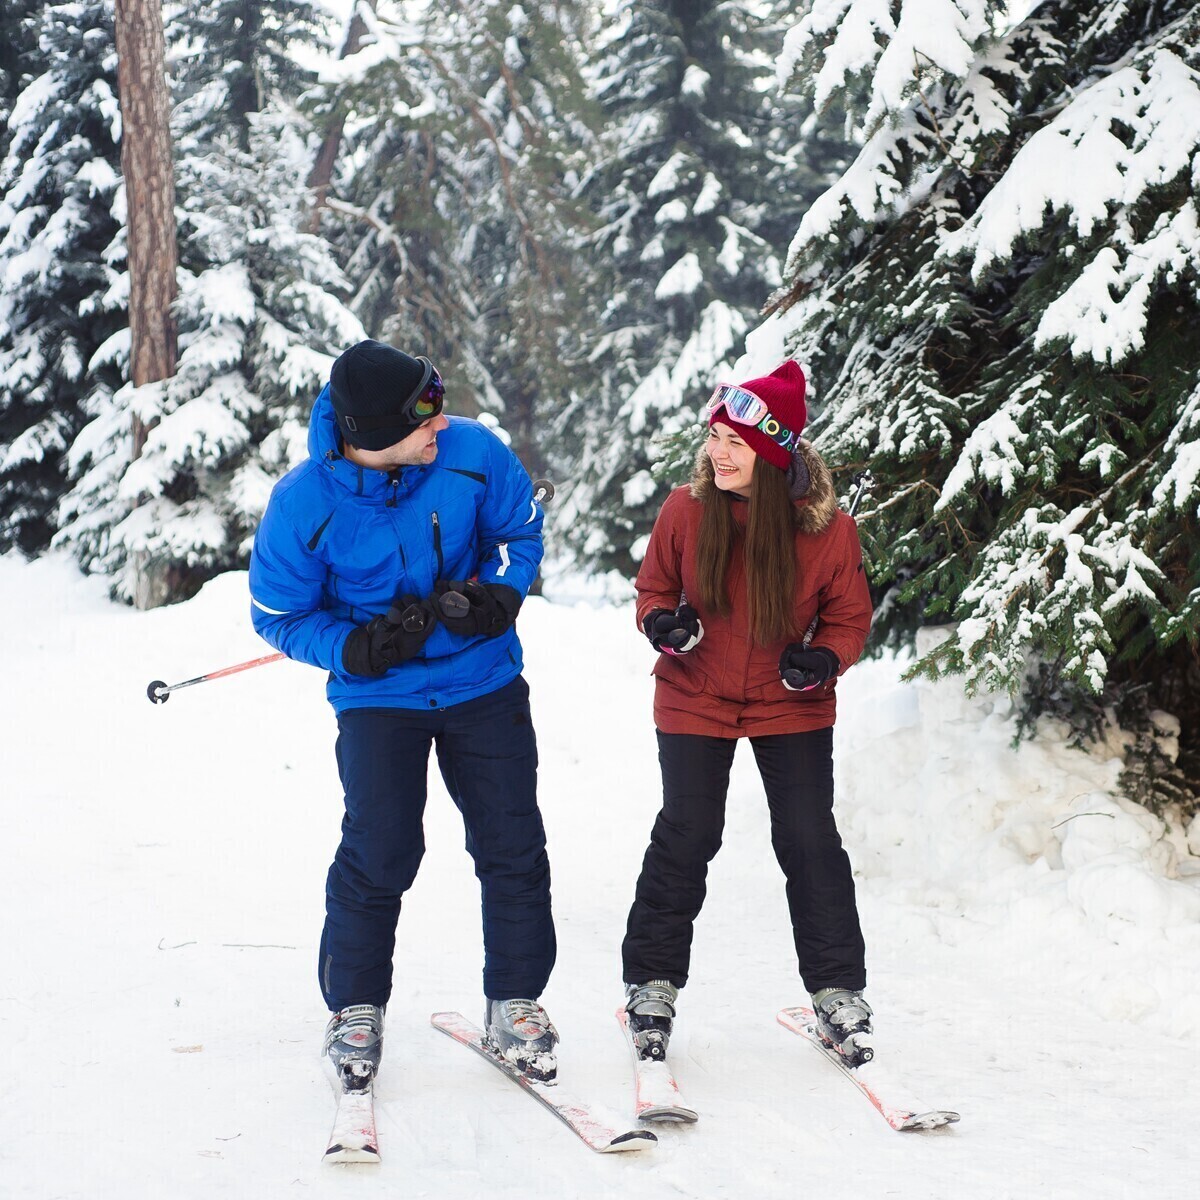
[[650, 1008], [354, 1045], [521, 1033], [844, 1023]]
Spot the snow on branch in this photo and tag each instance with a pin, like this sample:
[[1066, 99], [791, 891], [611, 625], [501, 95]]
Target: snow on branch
[[856, 40], [1129, 132]]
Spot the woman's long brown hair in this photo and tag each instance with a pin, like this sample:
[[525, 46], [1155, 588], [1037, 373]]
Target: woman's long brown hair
[[770, 551]]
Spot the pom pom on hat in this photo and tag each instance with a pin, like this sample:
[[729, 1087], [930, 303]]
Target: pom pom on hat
[[783, 392]]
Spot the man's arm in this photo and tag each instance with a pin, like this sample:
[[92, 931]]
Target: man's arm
[[509, 523], [286, 592]]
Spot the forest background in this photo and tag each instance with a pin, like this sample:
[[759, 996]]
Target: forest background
[[974, 223]]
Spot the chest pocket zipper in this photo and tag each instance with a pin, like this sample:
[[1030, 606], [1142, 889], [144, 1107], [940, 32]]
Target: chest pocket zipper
[[437, 543]]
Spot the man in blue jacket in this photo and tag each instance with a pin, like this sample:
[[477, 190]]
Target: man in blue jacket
[[396, 557]]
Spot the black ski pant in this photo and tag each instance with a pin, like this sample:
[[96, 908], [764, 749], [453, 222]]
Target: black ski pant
[[488, 758], [797, 773]]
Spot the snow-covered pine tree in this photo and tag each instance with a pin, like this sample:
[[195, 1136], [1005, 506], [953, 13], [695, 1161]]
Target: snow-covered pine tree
[[999, 300], [16, 41], [700, 171], [61, 295], [260, 316], [462, 148], [523, 150]]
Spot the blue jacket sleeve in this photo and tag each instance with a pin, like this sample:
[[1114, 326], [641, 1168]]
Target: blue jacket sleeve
[[509, 523], [286, 592]]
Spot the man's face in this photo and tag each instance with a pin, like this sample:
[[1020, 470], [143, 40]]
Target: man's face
[[418, 449]]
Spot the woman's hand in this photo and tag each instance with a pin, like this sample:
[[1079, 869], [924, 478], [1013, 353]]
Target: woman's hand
[[803, 669], [673, 632]]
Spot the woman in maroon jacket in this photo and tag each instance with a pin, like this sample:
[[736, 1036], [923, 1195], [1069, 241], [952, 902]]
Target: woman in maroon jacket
[[753, 592]]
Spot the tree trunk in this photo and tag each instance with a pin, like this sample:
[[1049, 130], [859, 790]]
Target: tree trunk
[[150, 227], [149, 190], [322, 172]]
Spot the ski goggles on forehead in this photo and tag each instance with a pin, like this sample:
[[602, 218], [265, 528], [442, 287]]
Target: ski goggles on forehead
[[745, 408]]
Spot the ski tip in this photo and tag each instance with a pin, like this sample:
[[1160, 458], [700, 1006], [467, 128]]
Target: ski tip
[[929, 1120], [351, 1154], [676, 1114], [635, 1139]]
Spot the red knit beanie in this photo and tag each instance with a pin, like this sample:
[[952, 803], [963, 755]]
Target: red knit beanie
[[783, 393]]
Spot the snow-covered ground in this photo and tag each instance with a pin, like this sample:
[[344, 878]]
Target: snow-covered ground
[[1034, 941]]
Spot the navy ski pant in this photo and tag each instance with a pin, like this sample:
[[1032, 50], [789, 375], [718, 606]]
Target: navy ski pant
[[797, 774], [488, 758]]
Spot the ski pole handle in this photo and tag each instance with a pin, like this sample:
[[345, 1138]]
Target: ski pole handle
[[543, 491], [866, 483]]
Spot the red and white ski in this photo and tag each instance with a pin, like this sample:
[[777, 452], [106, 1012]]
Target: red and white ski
[[353, 1138], [585, 1121], [898, 1107], [657, 1096]]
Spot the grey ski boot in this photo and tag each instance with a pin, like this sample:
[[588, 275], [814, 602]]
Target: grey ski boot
[[354, 1044], [521, 1032], [844, 1023], [650, 1008]]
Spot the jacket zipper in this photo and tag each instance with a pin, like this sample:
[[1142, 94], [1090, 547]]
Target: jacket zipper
[[437, 543]]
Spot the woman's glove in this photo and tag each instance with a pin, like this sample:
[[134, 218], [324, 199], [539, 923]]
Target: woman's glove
[[803, 668], [386, 641], [673, 632], [470, 609]]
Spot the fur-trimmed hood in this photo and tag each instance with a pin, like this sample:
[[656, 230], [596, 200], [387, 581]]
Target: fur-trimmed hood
[[812, 486]]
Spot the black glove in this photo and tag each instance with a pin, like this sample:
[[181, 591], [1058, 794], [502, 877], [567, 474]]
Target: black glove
[[386, 641], [803, 668], [472, 609], [673, 632]]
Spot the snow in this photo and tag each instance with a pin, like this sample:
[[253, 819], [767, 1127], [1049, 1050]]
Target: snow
[[682, 279], [1033, 938]]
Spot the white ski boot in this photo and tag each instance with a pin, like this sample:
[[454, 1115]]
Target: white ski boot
[[650, 1008], [354, 1044], [521, 1032], [844, 1023]]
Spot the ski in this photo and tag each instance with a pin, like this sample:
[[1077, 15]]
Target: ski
[[353, 1138], [657, 1096], [888, 1096], [586, 1122]]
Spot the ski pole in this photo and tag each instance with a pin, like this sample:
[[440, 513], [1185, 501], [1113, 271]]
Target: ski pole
[[160, 692]]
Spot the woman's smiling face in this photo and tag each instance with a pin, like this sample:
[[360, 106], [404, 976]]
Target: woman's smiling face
[[732, 460]]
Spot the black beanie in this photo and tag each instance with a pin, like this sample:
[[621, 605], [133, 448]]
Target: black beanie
[[371, 382]]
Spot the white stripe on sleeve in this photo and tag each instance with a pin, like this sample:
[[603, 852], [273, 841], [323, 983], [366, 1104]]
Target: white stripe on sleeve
[[275, 612]]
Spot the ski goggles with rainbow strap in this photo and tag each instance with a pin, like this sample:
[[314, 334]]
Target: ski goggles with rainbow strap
[[745, 408]]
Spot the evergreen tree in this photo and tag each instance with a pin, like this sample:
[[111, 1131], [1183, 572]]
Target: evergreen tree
[[700, 178], [524, 152], [16, 42], [260, 319], [999, 300], [468, 122], [61, 294]]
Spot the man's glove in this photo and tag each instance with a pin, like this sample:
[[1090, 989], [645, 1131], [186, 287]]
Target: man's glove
[[387, 641], [673, 632], [473, 609], [803, 668]]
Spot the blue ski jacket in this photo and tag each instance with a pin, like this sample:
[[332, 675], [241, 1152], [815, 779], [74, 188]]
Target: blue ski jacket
[[338, 542]]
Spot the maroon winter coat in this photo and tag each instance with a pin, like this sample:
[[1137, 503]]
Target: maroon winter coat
[[729, 686]]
